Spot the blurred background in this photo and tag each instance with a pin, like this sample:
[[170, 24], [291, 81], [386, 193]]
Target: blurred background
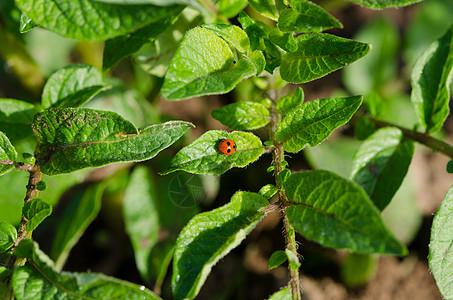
[[398, 36]]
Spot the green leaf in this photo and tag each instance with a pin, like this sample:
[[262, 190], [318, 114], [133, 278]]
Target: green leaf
[[242, 115], [284, 40], [379, 67], [312, 122], [82, 209], [319, 54], [276, 259], [265, 7], [440, 246], [379, 4], [431, 79], [35, 211], [26, 24], [232, 34], [203, 157], [358, 269], [72, 86], [119, 47], [93, 21], [286, 104], [292, 259], [210, 236], [230, 8], [305, 16], [268, 191], [381, 164], [337, 213], [203, 65], [77, 138], [16, 117], [141, 218], [40, 281], [258, 59], [449, 167], [8, 236], [7, 152], [283, 294]]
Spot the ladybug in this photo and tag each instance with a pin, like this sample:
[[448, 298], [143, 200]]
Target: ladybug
[[227, 147]]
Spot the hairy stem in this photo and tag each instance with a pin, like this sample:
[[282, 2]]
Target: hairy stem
[[290, 235], [32, 192]]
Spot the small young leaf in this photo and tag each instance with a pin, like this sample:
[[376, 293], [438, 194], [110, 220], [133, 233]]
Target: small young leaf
[[276, 259], [431, 79], [210, 236], [41, 185], [292, 259], [381, 163], [16, 117], [141, 218], [72, 86], [312, 122], [379, 4], [440, 247], [203, 65], [357, 269], [258, 60], [78, 138], [286, 104], [283, 294], [268, 191], [119, 47], [232, 34], [40, 280], [93, 21], [8, 236], [82, 209], [26, 24], [319, 54], [202, 156], [35, 211], [7, 152], [242, 115], [305, 16], [337, 213], [283, 176], [265, 7]]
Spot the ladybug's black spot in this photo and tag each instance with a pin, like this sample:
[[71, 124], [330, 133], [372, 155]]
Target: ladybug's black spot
[[228, 150], [228, 143], [234, 147]]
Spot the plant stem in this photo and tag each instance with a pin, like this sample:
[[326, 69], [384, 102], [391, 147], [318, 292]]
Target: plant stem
[[425, 139], [32, 192], [290, 235]]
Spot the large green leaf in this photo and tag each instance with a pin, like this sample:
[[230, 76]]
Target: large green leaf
[[81, 210], [16, 117], [431, 78], [312, 122], [72, 86], [8, 236], [7, 152], [319, 54], [381, 164], [379, 4], [141, 218], [203, 157], [305, 16], [242, 115], [35, 211], [119, 47], [210, 236], [337, 213], [77, 138], [440, 246], [93, 21], [40, 280], [203, 65]]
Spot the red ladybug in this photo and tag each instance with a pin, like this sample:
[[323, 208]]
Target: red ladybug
[[227, 147]]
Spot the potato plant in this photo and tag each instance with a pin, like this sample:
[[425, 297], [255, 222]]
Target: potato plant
[[196, 49]]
